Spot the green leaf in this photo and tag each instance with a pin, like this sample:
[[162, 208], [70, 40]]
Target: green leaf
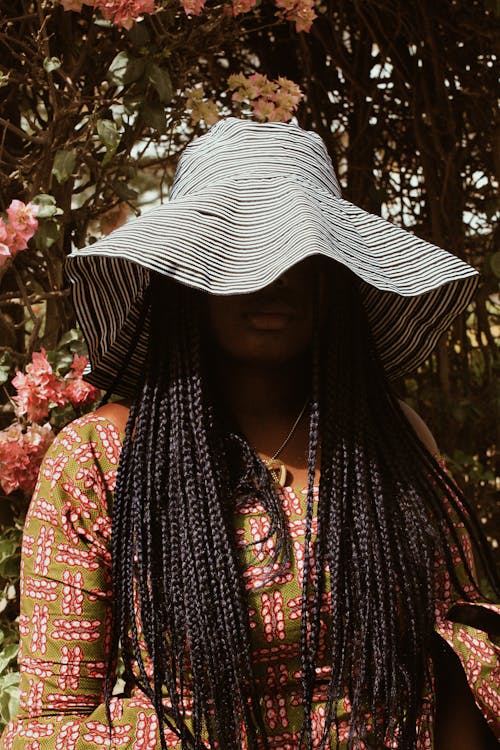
[[108, 133], [124, 192], [61, 415], [124, 69], [118, 68], [63, 360], [47, 233], [7, 654], [132, 104], [8, 547], [5, 367], [72, 335], [51, 63], [160, 78], [495, 263], [9, 568], [139, 35], [9, 696], [155, 117], [47, 206], [70, 344], [135, 70], [9, 680], [64, 164]]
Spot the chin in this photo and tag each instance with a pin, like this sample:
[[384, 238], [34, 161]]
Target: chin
[[270, 350]]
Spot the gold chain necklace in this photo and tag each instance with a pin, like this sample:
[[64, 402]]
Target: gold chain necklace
[[276, 468]]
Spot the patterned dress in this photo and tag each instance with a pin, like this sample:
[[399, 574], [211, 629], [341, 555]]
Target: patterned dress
[[65, 615]]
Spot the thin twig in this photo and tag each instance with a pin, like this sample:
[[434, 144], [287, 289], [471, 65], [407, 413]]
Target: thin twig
[[24, 294], [21, 133], [12, 298]]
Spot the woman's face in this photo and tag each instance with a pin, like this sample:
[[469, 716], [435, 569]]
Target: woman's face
[[273, 325]]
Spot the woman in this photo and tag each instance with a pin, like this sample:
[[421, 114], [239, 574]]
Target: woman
[[283, 557]]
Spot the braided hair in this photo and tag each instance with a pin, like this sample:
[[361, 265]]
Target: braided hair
[[382, 517]]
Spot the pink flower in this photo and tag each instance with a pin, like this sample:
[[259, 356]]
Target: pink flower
[[124, 12], [81, 393], [280, 114], [21, 454], [208, 112], [5, 238], [22, 225], [80, 362], [193, 7], [303, 17], [5, 254], [258, 84], [263, 109], [243, 6], [38, 389], [201, 108], [300, 12], [236, 81], [77, 391], [288, 94], [4, 231], [275, 101]]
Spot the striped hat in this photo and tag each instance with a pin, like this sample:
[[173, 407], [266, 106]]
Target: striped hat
[[249, 201]]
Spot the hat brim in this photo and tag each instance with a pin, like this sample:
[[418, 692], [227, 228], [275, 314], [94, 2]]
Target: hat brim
[[239, 236]]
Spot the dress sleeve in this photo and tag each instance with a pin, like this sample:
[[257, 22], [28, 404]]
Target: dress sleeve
[[469, 628], [65, 603]]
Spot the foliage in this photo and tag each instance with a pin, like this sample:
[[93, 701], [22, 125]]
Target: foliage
[[98, 98]]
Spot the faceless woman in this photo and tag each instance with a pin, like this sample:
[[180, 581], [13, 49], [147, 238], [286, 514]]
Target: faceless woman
[[290, 564]]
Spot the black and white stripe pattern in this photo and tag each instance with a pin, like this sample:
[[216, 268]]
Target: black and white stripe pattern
[[249, 201]]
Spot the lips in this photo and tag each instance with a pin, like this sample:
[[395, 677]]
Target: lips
[[270, 316], [266, 322]]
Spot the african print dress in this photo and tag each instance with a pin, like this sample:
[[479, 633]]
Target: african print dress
[[65, 616]]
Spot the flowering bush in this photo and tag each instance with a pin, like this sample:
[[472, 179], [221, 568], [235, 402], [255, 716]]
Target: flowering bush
[[21, 452], [268, 100], [200, 108], [125, 12], [17, 230], [40, 393], [37, 389], [255, 96], [121, 12], [299, 12]]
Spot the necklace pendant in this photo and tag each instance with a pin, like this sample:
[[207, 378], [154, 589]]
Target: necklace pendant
[[277, 470]]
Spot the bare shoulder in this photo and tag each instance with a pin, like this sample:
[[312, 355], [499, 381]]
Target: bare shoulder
[[420, 427], [116, 412]]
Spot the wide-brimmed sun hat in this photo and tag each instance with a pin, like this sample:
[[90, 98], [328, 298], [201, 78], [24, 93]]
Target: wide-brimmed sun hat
[[249, 201]]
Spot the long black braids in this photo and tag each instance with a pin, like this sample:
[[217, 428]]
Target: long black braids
[[381, 522], [174, 561], [385, 498]]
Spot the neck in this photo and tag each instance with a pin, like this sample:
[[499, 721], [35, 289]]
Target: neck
[[265, 402], [265, 395]]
